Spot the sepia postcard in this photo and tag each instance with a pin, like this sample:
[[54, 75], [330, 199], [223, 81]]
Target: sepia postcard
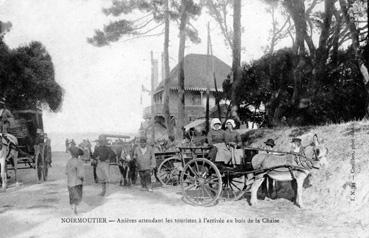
[[184, 118]]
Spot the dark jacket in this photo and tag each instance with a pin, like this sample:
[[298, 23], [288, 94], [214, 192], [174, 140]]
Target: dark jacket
[[232, 136], [145, 161], [215, 137], [103, 153]]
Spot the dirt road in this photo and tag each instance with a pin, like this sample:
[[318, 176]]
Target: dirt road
[[42, 210]]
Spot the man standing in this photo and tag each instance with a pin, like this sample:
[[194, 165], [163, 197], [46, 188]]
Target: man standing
[[102, 155], [145, 161], [5, 116]]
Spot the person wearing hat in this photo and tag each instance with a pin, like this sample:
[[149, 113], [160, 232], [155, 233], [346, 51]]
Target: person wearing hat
[[233, 140], [5, 127], [145, 161], [5, 114], [268, 145], [75, 176], [103, 154], [216, 140], [296, 146]]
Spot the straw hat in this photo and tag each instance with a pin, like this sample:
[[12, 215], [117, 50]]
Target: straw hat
[[270, 142]]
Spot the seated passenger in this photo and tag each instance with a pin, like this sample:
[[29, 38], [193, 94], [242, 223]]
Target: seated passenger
[[269, 144], [296, 146], [233, 139], [269, 147], [216, 140]]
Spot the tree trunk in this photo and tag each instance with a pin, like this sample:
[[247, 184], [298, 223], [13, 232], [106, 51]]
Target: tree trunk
[[355, 44], [181, 75], [355, 41], [166, 110], [236, 64], [296, 8], [336, 37], [322, 51]]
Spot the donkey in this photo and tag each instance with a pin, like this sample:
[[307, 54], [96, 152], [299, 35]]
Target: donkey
[[126, 167], [265, 161], [8, 151]]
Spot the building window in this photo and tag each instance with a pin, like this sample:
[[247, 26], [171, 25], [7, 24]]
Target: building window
[[196, 100]]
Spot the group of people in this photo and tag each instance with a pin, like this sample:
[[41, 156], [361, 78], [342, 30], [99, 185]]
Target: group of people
[[143, 158], [225, 144], [225, 147]]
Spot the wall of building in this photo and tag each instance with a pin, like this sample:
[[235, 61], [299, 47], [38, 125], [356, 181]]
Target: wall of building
[[195, 104]]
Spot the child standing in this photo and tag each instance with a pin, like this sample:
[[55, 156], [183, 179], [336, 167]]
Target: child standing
[[75, 175], [145, 161]]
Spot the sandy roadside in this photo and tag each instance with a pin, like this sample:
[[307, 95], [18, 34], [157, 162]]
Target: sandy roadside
[[42, 210]]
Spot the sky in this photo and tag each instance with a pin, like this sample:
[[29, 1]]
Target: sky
[[103, 85]]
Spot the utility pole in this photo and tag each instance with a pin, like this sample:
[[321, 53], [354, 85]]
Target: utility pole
[[154, 76], [207, 116]]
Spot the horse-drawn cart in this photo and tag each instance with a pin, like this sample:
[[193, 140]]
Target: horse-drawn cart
[[204, 182], [28, 146]]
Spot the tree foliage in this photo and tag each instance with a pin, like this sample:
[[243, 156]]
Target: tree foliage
[[151, 23], [340, 96], [28, 78], [313, 81]]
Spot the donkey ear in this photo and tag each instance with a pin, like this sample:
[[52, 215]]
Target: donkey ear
[[315, 139]]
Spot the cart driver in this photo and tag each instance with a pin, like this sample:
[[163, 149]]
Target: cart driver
[[269, 147], [5, 116], [5, 127], [297, 147], [4, 112]]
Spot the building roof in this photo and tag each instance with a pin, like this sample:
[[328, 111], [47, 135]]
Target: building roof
[[196, 73]]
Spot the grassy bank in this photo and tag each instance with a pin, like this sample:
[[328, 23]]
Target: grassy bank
[[333, 187]]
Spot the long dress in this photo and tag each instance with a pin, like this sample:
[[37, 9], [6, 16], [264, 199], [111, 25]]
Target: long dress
[[216, 138], [235, 137]]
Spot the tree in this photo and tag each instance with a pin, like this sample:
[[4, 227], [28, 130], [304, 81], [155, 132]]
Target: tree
[[188, 9], [342, 97], [166, 110], [28, 80], [355, 33], [329, 27], [219, 11], [236, 62], [158, 13], [278, 32]]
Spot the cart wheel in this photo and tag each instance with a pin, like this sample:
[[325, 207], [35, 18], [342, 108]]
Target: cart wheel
[[234, 186], [201, 182], [169, 171]]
